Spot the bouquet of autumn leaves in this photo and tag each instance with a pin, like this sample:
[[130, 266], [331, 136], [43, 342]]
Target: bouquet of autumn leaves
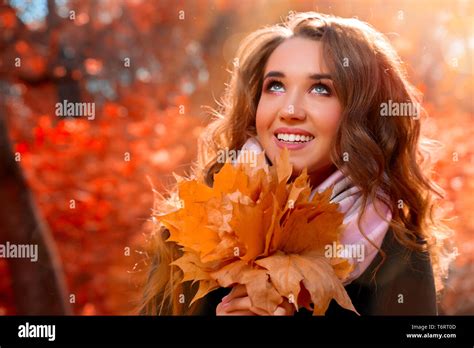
[[255, 228]]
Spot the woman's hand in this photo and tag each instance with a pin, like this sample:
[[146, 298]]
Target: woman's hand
[[238, 303]]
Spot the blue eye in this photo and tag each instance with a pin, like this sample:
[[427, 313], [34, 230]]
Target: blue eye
[[275, 86], [321, 89]]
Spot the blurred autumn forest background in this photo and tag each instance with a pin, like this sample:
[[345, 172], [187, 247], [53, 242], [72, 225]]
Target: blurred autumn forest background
[[81, 188]]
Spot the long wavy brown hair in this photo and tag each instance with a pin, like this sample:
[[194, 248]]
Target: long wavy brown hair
[[385, 153]]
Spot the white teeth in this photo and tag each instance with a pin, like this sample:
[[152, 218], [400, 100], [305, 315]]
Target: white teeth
[[294, 137]]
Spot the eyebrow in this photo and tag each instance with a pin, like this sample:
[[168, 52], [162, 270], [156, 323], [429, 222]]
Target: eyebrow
[[312, 76]]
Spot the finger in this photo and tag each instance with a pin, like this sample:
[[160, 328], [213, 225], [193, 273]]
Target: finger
[[237, 291], [221, 310], [280, 311], [283, 311], [243, 303], [237, 304], [243, 313]]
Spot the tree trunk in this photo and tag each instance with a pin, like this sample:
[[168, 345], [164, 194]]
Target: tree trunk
[[39, 287]]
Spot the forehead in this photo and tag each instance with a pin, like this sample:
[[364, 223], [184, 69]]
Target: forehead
[[297, 55]]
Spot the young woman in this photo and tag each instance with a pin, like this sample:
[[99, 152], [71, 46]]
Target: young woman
[[325, 87]]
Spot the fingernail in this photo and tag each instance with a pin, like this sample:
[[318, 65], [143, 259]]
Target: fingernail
[[225, 298]]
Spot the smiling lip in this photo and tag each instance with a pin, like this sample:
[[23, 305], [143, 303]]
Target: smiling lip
[[292, 131], [296, 131]]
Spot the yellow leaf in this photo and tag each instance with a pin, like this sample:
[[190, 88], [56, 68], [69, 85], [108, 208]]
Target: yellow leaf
[[255, 228], [283, 166], [261, 292], [247, 223], [205, 287], [285, 279], [316, 274], [191, 266]]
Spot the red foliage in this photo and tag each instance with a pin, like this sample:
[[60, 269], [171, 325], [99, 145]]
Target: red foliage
[[89, 179]]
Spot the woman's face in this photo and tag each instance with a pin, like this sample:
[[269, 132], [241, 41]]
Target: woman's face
[[298, 108]]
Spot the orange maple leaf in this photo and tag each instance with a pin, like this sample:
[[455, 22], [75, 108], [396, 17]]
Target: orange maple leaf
[[314, 272], [258, 228]]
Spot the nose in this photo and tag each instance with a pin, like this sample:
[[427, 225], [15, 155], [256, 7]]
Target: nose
[[292, 109], [292, 112]]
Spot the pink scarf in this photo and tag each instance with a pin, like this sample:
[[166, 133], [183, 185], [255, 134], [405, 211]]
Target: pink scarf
[[349, 198]]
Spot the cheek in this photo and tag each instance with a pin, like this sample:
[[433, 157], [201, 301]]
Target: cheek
[[264, 118], [327, 121]]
